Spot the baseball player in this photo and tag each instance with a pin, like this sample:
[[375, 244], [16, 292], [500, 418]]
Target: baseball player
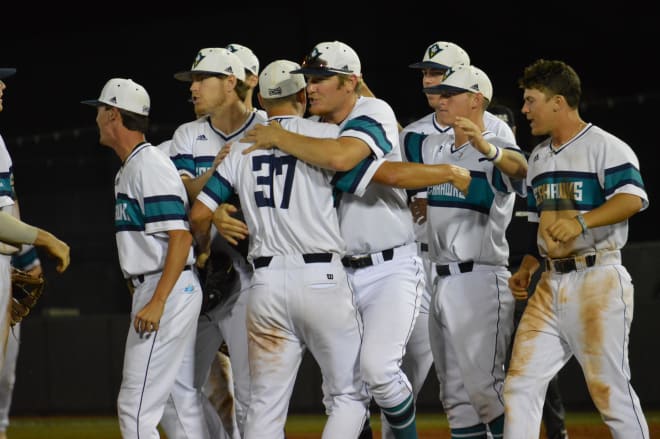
[[382, 263], [438, 58], [14, 233], [218, 93], [251, 64], [471, 310], [583, 185], [156, 257], [300, 297]]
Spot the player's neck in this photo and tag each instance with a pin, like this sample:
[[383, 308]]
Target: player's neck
[[231, 117], [567, 131]]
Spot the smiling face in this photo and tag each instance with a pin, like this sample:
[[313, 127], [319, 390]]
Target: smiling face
[[331, 97]]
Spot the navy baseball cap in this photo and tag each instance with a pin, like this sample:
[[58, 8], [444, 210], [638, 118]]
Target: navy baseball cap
[[6, 72], [330, 58]]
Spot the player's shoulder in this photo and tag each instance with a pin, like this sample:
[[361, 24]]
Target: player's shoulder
[[423, 125], [373, 106], [309, 127]]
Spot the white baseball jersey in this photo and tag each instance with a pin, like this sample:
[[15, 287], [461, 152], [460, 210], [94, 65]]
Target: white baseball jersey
[[195, 144], [580, 176], [150, 199], [256, 178], [429, 125], [583, 304], [375, 217], [485, 212], [298, 301]]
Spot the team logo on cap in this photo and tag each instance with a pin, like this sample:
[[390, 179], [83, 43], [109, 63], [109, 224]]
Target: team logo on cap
[[113, 99], [450, 72], [434, 50], [275, 91], [475, 87], [232, 48], [198, 59]]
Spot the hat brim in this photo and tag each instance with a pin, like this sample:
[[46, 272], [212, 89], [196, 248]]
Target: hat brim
[[442, 88], [187, 75], [428, 65], [6, 72], [92, 102], [322, 71]]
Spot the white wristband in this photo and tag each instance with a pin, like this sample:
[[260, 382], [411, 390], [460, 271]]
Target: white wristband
[[498, 155], [492, 152]]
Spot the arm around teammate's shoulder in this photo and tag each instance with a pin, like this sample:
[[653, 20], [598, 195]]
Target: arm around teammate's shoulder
[[408, 175], [340, 154]]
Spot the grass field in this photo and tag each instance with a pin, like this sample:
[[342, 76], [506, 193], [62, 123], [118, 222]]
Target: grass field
[[580, 426]]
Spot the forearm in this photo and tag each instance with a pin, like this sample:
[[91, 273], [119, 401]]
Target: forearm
[[334, 154], [16, 232], [512, 164], [530, 264], [412, 175], [195, 185], [618, 208], [200, 225]]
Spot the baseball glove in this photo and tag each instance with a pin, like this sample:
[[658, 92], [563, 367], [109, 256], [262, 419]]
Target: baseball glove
[[218, 279], [26, 291]]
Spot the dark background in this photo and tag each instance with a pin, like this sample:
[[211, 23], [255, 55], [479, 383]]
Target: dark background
[[64, 177]]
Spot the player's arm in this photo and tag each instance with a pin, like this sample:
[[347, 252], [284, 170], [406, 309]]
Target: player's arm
[[232, 229], [618, 208], [178, 247], [195, 185], [407, 175], [510, 162], [17, 232], [200, 225], [340, 154]]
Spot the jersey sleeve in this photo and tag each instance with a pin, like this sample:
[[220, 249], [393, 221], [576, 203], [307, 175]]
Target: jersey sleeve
[[218, 188], [181, 152], [357, 179], [164, 205], [7, 195], [620, 173]]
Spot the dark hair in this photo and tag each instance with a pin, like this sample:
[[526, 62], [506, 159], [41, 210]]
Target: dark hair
[[134, 121], [553, 78], [505, 113]]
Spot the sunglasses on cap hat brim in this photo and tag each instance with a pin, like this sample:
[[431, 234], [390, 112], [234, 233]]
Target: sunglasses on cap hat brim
[[445, 91], [315, 66]]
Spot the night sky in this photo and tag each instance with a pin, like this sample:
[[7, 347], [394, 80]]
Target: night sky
[[64, 177]]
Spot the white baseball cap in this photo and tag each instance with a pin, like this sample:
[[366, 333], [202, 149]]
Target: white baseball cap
[[442, 55], [460, 79], [331, 58], [125, 94], [216, 61], [247, 57], [277, 81], [6, 72]]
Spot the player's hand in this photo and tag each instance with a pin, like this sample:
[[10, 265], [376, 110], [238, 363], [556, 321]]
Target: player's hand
[[58, 249], [263, 136], [564, 230], [519, 283], [461, 178], [232, 229], [472, 131], [221, 154], [148, 318], [418, 209]]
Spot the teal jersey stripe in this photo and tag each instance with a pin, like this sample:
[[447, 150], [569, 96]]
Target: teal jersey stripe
[[184, 162], [567, 191], [23, 260], [203, 164], [621, 176], [6, 189], [348, 181], [164, 208], [218, 188], [372, 128], [128, 215], [412, 146], [480, 195]]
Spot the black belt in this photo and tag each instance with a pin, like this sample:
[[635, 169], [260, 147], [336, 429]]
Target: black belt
[[140, 277], [464, 267], [569, 264], [424, 246], [309, 258], [366, 261]]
